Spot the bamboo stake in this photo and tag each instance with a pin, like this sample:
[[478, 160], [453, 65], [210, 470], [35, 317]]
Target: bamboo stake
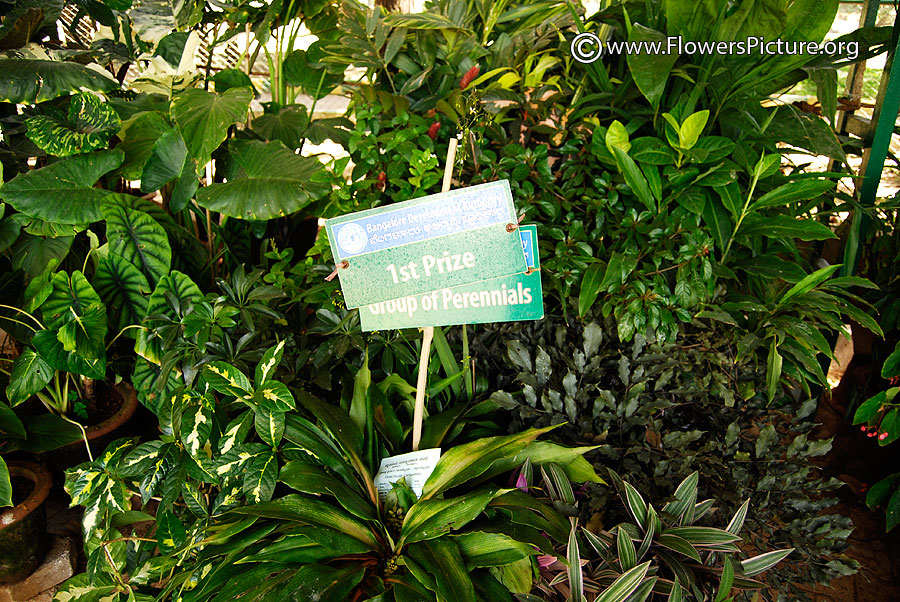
[[428, 331]]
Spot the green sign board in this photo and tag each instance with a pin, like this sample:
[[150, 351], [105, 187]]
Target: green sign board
[[508, 299], [443, 240]]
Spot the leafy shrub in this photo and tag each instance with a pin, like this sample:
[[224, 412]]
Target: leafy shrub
[[665, 411]]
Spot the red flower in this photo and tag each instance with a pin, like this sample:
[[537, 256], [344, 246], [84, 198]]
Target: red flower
[[433, 130], [467, 79], [382, 181]]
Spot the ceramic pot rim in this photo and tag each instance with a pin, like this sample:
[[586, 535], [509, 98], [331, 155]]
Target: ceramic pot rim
[[42, 480]]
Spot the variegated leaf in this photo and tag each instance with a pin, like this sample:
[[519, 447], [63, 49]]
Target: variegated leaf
[[260, 477], [227, 380], [269, 362], [274, 396]]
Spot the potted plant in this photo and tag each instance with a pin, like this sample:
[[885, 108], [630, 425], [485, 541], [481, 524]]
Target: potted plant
[[62, 365], [24, 487]]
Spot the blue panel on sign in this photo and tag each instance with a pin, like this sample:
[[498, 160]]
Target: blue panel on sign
[[391, 226], [527, 246]]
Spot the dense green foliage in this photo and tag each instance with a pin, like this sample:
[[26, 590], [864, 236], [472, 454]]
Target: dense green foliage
[[157, 225]]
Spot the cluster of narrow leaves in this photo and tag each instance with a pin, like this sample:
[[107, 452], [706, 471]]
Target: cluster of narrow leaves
[[664, 555]]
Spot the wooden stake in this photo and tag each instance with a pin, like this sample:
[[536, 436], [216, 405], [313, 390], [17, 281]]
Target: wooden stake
[[428, 331]]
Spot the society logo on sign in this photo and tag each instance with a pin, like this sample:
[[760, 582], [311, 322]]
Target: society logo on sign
[[352, 239]]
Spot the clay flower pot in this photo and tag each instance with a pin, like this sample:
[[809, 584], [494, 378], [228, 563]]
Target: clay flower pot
[[23, 533], [99, 435]]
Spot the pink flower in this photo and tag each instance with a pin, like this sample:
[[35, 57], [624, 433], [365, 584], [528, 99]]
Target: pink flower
[[522, 482], [883, 436]]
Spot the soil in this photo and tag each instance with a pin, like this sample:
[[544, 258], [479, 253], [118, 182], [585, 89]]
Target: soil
[[104, 402], [21, 489]]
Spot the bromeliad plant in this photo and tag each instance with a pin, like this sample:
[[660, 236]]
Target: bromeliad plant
[[253, 498], [663, 555]]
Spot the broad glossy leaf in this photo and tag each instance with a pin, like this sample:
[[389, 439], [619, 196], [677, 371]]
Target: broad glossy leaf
[[322, 583], [139, 137], [139, 239], [33, 254], [63, 192], [652, 150], [299, 508], [465, 462], [891, 367], [165, 163], [30, 374], [429, 518], [183, 291], [196, 427], [590, 287], [792, 192], [227, 379], [204, 117], [320, 446], [307, 545], [123, 288], [441, 559], [306, 478], [269, 426], [260, 476], [51, 349], [29, 81], [782, 226], [635, 179], [266, 180], [274, 396], [5, 485], [486, 549], [265, 369], [89, 126], [650, 71], [286, 126]]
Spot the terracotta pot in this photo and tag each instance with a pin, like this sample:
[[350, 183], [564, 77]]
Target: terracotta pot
[[99, 435], [23, 529]]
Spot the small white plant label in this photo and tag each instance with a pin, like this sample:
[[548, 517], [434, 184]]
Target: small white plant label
[[415, 466]]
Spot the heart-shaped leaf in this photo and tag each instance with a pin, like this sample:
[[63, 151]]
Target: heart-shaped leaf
[[89, 126], [266, 180], [63, 192], [204, 117]]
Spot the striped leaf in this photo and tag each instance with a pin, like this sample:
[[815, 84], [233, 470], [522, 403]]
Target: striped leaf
[[627, 553], [763, 562], [737, 521], [576, 578], [678, 544], [625, 585], [703, 536]]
